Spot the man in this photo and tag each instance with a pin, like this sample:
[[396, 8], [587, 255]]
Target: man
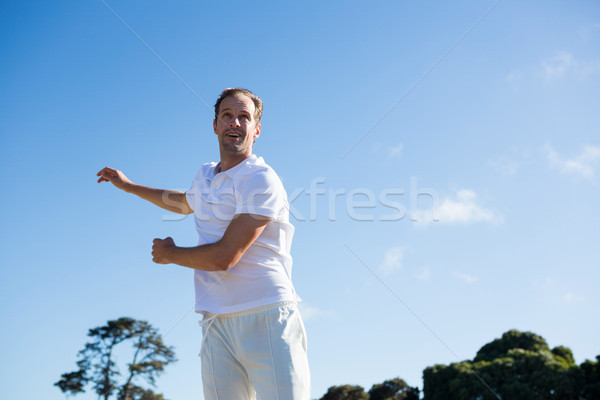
[[254, 342]]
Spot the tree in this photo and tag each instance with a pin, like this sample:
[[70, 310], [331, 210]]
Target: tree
[[518, 366], [590, 376], [512, 339], [393, 389], [345, 392], [97, 361], [412, 393]]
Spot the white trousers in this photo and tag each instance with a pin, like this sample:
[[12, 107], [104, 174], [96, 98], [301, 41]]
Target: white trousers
[[255, 353]]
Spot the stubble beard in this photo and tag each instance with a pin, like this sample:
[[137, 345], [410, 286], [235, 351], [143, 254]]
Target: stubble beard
[[235, 149]]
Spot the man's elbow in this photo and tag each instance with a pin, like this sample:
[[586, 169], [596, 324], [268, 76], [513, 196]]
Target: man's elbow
[[185, 209], [225, 261]]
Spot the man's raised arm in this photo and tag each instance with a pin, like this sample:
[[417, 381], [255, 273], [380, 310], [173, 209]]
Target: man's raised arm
[[170, 200], [242, 231]]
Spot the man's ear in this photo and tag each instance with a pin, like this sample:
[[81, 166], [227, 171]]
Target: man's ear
[[257, 134], [215, 126]]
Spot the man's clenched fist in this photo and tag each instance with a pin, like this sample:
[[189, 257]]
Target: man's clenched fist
[[162, 250]]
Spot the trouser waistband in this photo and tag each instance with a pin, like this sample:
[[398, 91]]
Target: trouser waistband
[[208, 315]]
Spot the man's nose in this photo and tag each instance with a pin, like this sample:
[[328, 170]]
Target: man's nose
[[235, 121]]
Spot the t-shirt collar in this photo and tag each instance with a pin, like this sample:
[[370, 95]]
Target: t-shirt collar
[[232, 171]]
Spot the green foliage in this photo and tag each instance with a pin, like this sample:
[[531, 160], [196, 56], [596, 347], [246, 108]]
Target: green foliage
[[393, 389], [412, 393], [518, 366], [73, 382], [565, 353], [590, 379], [138, 393], [96, 364], [345, 392], [512, 339], [387, 390]]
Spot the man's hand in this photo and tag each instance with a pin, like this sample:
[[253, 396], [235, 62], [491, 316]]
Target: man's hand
[[162, 250], [114, 176], [171, 200]]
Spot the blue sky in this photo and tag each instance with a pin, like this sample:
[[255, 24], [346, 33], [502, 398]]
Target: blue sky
[[379, 109]]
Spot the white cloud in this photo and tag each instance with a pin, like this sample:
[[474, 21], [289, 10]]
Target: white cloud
[[583, 164], [557, 66], [466, 277], [548, 283], [550, 286], [572, 298], [588, 32], [463, 208], [514, 77], [561, 65], [395, 151], [424, 275], [564, 64], [393, 260]]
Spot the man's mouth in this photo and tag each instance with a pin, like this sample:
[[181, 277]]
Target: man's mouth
[[234, 135]]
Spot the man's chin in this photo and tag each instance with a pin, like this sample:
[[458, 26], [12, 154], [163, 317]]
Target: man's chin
[[235, 150]]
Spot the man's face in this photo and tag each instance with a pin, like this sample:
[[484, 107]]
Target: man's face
[[236, 126]]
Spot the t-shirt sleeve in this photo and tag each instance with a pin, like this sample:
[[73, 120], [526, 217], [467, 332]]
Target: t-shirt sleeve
[[189, 196], [260, 193], [192, 195]]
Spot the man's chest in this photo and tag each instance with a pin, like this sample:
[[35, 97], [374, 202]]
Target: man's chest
[[216, 202]]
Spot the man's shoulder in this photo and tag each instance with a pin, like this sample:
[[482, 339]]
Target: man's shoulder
[[206, 170], [256, 166], [256, 172]]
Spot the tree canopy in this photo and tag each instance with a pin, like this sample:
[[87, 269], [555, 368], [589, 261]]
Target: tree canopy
[[97, 366], [345, 392], [391, 389], [590, 379], [518, 366]]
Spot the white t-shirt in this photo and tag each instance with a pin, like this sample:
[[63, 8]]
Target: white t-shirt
[[263, 275]]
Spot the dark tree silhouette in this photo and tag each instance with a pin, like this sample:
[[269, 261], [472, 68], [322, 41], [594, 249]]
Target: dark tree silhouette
[[393, 389], [518, 366], [590, 377], [345, 392], [97, 364]]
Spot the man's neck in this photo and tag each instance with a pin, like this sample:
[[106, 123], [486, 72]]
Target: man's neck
[[230, 162]]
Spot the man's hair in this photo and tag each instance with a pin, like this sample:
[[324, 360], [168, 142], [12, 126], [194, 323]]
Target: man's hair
[[258, 105]]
